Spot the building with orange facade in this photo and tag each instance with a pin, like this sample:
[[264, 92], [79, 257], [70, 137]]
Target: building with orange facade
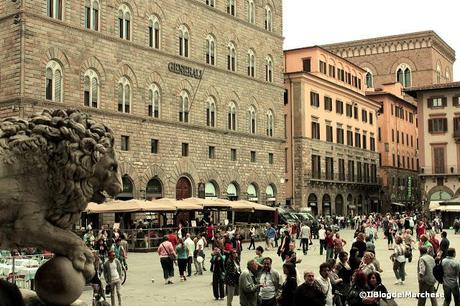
[[332, 160], [397, 142], [439, 133]]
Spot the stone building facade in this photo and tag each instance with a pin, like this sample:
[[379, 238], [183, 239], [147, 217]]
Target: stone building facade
[[193, 89], [398, 146], [332, 154], [413, 59], [439, 133]]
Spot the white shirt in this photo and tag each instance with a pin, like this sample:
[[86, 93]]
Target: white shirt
[[267, 292], [200, 242], [305, 232], [322, 234], [114, 272], [190, 246], [326, 287]]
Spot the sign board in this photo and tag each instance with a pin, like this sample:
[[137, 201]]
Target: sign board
[[185, 70]]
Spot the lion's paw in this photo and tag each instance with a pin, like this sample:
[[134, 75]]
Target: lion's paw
[[82, 260]]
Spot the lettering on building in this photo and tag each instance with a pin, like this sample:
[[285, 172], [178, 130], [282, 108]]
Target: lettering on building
[[185, 70]]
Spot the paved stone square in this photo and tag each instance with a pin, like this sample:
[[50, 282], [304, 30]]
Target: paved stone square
[[140, 290]]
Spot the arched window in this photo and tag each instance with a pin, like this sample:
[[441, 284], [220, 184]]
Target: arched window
[[211, 3], [270, 123], [154, 101], [211, 112], [252, 192], [231, 7], [184, 38], [91, 89], [54, 9], [369, 78], [183, 107], [154, 32], [54, 81], [404, 75], [124, 95], [268, 69], [252, 121], [438, 73], [251, 12], [251, 63], [124, 22], [210, 50], [268, 19], [232, 116], [92, 15], [231, 57], [210, 190]]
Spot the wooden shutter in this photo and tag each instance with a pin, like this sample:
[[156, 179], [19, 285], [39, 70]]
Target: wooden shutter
[[444, 124], [444, 101], [430, 102], [455, 101], [439, 165], [430, 125]]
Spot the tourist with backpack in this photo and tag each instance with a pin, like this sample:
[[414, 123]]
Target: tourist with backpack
[[451, 271]]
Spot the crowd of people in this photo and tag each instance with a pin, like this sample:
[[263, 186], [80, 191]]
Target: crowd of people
[[349, 267]]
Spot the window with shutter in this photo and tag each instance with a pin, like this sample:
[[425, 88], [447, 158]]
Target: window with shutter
[[456, 101], [439, 160]]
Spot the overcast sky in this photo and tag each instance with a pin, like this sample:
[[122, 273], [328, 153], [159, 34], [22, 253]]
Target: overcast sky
[[316, 22]]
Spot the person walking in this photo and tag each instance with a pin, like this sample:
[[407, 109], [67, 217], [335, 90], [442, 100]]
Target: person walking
[[232, 275], [322, 239], [270, 281], [309, 291], [289, 286], [284, 247], [329, 241], [190, 246], [218, 274], [248, 285], [167, 257], [426, 279], [325, 283], [252, 233], [182, 258], [339, 243], [399, 261], [451, 268], [270, 233], [112, 271], [305, 237], [444, 245]]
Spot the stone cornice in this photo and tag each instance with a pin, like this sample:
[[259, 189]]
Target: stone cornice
[[393, 43], [26, 101]]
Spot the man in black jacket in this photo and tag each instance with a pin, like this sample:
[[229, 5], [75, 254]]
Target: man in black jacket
[[309, 291]]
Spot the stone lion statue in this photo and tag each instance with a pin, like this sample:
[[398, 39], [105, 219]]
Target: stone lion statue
[[51, 166]]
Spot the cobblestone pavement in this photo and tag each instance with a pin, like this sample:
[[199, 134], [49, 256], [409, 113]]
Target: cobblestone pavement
[[145, 284]]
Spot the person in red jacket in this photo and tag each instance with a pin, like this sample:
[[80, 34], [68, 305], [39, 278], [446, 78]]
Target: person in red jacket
[[172, 238], [421, 229]]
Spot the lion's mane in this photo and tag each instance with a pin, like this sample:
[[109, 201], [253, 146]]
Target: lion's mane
[[66, 143]]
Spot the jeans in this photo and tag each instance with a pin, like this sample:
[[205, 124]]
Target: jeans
[[322, 245], [182, 263], [399, 270], [304, 244], [448, 293], [252, 244], [115, 286], [168, 267], [230, 293], [198, 267], [270, 302], [425, 288], [189, 266], [329, 253], [218, 286]]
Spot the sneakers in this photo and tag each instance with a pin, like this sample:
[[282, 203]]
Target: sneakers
[[398, 282], [401, 283]]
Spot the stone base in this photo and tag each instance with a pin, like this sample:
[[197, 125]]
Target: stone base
[[31, 299]]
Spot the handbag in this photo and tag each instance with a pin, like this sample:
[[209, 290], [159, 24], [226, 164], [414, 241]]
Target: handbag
[[108, 289], [171, 256]]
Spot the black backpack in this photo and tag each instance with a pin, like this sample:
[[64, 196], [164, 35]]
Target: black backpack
[[438, 272]]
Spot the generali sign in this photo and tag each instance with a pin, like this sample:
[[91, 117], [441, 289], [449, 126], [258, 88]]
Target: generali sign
[[185, 70]]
